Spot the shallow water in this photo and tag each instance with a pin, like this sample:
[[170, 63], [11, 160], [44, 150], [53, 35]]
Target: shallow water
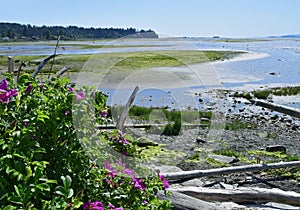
[[280, 68]]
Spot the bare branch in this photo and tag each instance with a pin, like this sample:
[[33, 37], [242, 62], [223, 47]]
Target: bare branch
[[39, 68]]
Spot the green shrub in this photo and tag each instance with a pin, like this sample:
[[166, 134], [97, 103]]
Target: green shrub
[[52, 156]]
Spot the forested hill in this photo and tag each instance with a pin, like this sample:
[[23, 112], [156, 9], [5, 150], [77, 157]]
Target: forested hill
[[17, 31]]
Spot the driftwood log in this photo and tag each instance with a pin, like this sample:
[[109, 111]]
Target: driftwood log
[[62, 71], [44, 62], [185, 175], [10, 64], [23, 64], [146, 125], [122, 118], [242, 195], [184, 202], [277, 107]]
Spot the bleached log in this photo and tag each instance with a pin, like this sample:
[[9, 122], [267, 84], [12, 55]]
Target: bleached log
[[122, 118], [277, 107], [112, 126], [10, 64], [185, 175], [182, 201], [20, 69], [242, 195]]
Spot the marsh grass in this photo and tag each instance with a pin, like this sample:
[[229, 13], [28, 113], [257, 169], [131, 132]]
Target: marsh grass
[[127, 61], [96, 46], [279, 91], [175, 118]]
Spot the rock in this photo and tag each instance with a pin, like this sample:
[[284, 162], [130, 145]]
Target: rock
[[165, 169], [193, 183], [241, 109], [224, 159], [144, 142], [262, 135], [276, 148], [200, 140], [274, 117]]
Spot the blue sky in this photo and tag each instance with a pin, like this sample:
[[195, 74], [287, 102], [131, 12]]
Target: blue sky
[[229, 18]]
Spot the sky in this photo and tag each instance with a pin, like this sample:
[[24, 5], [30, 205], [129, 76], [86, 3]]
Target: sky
[[191, 18]]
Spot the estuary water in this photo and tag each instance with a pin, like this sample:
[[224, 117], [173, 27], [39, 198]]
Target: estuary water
[[278, 65], [281, 66]]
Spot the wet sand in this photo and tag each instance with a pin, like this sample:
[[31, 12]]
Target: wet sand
[[202, 74]]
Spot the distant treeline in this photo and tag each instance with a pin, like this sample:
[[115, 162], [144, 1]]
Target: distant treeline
[[17, 31]]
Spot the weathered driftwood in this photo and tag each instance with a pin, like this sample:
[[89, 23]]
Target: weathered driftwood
[[185, 175], [242, 195], [112, 126], [61, 72], [22, 64], [277, 107], [126, 109], [55, 50], [44, 62], [10, 64], [184, 202]]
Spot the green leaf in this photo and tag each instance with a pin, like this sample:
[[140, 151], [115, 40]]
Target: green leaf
[[43, 187], [45, 98], [67, 181], [19, 156], [61, 191], [17, 190], [76, 203], [71, 193], [10, 207]]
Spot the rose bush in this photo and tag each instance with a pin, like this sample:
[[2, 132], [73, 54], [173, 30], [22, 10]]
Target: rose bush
[[43, 151]]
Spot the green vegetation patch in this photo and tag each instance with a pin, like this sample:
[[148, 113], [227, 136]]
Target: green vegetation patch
[[239, 125], [161, 155], [279, 91], [274, 156], [174, 118], [142, 60], [229, 153], [215, 163], [49, 160], [96, 46], [122, 61]]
